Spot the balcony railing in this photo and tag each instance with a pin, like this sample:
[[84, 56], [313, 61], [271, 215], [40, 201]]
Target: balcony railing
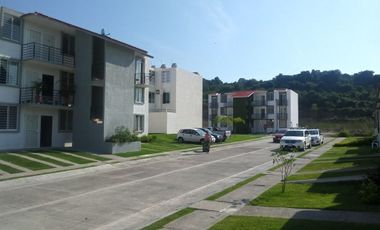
[[259, 116], [46, 53], [31, 95], [214, 105], [282, 116], [281, 102], [142, 79], [163, 110], [259, 103]]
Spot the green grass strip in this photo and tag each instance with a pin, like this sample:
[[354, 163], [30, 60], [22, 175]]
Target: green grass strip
[[23, 162], [42, 158], [166, 220], [9, 169], [234, 187], [88, 155], [67, 157], [270, 223]]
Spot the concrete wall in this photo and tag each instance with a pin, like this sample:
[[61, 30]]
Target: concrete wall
[[87, 135], [162, 122], [293, 108]]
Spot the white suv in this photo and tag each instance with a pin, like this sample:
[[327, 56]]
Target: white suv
[[296, 138]]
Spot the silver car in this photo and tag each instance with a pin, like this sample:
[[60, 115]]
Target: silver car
[[190, 135]]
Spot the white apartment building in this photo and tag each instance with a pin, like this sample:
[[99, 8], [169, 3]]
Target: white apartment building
[[262, 111], [62, 85], [175, 99]]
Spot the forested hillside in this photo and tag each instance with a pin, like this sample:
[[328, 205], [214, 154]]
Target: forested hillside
[[323, 95]]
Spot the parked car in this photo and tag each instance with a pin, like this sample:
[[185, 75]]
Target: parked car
[[217, 137], [278, 135], [225, 133], [190, 135], [296, 138], [316, 137]]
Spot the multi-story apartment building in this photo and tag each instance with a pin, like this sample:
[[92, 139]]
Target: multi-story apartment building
[[175, 99], [62, 85], [262, 111]]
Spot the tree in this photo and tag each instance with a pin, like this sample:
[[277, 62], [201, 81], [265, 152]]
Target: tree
[[229, 120], [285, 161]]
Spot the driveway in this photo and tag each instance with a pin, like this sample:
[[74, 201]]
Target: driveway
[[128, 195]]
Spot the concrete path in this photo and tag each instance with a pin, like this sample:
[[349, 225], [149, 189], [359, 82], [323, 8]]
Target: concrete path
[[130, 194], [210, 213], [311, 214]]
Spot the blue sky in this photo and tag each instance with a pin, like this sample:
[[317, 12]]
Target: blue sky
[[234, 38]]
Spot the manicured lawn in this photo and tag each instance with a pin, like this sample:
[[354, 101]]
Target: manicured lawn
[[354, 151], [9, 169], [234, 187], [23, 162], [326, 174], [164, 221], [66, 157], [168, 142], [88, 155], [42, 158], [313, 166], [338, 196], [267, 223]]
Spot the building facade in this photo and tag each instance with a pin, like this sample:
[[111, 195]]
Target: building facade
[[262, 111], [175, 99], [62, 85]]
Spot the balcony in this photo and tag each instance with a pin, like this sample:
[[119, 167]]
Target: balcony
[[49, 54], [141, 79], [259, 103], [282, 102], [60, 98], [259, 116], [282, 116], [213, 105]]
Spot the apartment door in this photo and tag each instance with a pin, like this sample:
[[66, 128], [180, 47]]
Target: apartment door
[[47, 89], [31, 131], [46, 131]]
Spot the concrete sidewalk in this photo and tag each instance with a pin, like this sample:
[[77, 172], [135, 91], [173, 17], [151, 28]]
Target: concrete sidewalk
[[209, 213]]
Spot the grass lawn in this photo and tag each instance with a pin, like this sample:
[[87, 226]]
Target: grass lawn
[[353, 151], [234, 187], [267, 223], [87, 155], [327, 174], [66, 157], [313, 166], [42, 158], [23, 162], [9, 169], [168, 142], [164, 221], [337, 196]]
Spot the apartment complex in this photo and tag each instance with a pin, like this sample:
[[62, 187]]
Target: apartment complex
[[62, 85], [262, 111], [175, 99]]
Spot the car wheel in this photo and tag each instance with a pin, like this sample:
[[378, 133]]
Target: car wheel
[[180, 140]]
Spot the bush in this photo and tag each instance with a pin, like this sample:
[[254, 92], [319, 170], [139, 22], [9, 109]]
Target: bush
[[122, 135], [343, 133], [147, 138], [370, 188]]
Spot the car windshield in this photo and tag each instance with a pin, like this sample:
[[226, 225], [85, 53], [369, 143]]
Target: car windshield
[[201, 132], [294, 133], [313, 132]]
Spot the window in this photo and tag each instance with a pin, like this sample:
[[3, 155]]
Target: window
[[10, 27], [151, 97], [270, 109], [152, 77], [165, 77], [223, 111], [65, 120], [139, 123], [8, 72], [270, 96], [97, 104], [67, 81], [8, 117], [139, 70], [139, 95], [223, 98], [165, 98]]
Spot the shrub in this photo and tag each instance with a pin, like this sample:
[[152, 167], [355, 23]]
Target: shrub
[[343, 133], [370, 189], [122, 135], [147, 138]]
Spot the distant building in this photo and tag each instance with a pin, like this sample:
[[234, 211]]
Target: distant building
[[175, 99], [262, 111]]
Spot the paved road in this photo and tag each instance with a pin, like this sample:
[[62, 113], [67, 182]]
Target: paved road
[[128, 195]]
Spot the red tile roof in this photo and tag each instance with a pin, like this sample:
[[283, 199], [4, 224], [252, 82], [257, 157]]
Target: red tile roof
[[245, 93]]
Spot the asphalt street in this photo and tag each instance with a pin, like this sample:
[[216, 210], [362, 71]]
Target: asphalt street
[[131, 194]]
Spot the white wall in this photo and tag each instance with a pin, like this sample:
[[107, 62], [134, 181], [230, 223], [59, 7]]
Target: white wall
[[293, 108], [10, 49], [162, 122]]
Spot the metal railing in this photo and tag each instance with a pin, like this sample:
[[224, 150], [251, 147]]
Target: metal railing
[[281, 102], [31, 95], [163, 110], [213, 105], [141, 79], [282, 116], [37, 51]]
